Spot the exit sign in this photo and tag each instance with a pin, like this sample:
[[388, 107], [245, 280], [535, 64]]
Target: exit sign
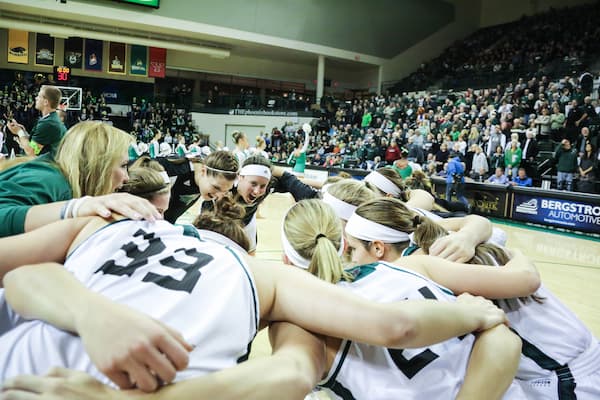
[[147, 3]]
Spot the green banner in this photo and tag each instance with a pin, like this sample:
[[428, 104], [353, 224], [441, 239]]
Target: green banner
[[139, 60]]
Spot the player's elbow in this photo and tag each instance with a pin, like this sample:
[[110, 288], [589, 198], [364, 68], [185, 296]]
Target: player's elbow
[[514, 345], [532, 282], [13, 278], [15, 283], [295, 378], [399, 332]]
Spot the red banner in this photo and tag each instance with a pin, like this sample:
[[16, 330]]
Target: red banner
[[158, 62]]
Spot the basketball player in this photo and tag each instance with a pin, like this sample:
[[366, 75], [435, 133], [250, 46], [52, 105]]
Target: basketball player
[[312, 240], [345, 196], [559, 357], [256, 181], [199, 179], [149, 180], [299, 154]]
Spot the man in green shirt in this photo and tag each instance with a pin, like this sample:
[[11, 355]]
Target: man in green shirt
[[566, 165], [48, 131]]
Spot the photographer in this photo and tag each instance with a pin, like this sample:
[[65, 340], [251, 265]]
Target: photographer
[[455, 179]]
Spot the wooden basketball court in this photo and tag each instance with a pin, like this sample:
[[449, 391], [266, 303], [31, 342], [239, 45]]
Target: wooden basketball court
[[569, 266]]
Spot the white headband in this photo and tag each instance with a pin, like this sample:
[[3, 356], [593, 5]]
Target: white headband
[[383, 183], [364, 229], [165, 177], [291, 253], [256, 170], [218, 238], [342, 209]]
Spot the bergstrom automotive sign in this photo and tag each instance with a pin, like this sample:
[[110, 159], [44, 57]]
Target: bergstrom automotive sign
[[563, 213]]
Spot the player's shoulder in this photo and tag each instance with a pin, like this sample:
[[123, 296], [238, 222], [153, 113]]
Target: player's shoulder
[[90, 225]]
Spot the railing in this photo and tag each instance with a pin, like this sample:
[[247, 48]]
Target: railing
[[539, 206], [545, 164]]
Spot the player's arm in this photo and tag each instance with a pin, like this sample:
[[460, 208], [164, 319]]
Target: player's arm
[[420, 199], [492, 365], [287, 294], [518, 278], [300, 188], [294, 368], [49, 243], [125, 204], [307, 129], [467, 233], [145, 352]]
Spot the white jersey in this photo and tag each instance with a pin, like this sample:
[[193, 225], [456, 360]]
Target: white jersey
[[240, 156], [498, 236], [200, 288], [425, 213], [559, 355], [362, 371]]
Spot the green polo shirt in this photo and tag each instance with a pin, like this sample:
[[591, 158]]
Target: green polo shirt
[[48, 132], [26, 185]]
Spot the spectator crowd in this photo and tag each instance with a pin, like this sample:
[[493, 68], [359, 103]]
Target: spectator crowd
[[536, 126]]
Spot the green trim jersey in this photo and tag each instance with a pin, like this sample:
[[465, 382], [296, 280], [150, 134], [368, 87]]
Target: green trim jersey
[[300, 164], [498, 236], [368, 372], [560, 357], [362, 371], [198, 287]]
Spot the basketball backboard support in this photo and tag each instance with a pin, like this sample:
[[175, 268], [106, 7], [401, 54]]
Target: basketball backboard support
[[71, 98]]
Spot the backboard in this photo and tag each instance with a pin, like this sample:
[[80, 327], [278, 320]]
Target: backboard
[[71, 98]]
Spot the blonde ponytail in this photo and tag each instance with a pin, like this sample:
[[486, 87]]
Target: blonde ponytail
[[315, 233]]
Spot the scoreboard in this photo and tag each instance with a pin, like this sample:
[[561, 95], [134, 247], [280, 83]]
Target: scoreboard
[[62, 74]]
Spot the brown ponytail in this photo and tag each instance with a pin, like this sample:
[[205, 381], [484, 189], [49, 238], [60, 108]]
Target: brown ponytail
[[225, 219]]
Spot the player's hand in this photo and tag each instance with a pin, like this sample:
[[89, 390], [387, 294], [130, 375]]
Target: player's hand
[[58, 384], [130, 348], [489, 314], [126, 204], [453, 247]]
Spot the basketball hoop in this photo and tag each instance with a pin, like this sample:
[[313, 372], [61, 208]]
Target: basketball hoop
[[71, 98]]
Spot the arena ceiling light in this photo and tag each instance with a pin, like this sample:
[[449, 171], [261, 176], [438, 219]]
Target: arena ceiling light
[[68, 31]]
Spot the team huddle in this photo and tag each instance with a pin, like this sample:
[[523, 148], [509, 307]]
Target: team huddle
[[382, 293]]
